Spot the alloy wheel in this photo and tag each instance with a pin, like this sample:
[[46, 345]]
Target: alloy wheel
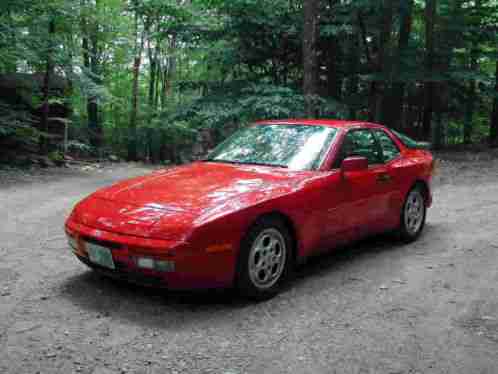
[[267, 258]]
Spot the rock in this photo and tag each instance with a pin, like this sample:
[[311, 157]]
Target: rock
[[488, 318], [21, 161], [114, 158], [22, 327], [102, 370], [60, 163], [45, 162]]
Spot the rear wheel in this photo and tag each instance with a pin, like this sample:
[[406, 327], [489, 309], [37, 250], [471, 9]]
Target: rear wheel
[[265, 259], [413, 215]]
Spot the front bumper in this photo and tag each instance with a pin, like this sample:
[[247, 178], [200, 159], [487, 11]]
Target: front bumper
[[194, 267], [127, 275]]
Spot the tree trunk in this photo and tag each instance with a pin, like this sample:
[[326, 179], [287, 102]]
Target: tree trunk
[[334, 81], [371, 66], [84, 40], [164, 83], [46, 89], [152, 53], [157, 82], [94, 124], [447, 51], [333, 54], [397, 93], [90, 51], [429, 97], [11, 66], [493, 131], [471, 99], [132, 129], [353, 62], [382, 66], [470, 104], [310, 38], [168, 71]]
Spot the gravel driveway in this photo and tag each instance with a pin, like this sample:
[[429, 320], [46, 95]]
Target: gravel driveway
[[376, 307]]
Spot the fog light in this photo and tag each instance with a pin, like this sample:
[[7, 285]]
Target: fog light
[[145, 263], [166, 266], [152, 264]]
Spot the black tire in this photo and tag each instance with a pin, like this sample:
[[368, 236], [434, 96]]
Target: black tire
[[409, 232], [249, 283]]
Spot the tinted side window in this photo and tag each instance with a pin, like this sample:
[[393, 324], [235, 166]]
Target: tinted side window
[[359, 143], [389, 148]]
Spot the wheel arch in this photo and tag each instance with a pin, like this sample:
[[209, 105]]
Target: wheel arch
[[289, 224], [425, 189]]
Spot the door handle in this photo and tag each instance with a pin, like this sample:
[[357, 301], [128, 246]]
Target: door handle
[[383, 178]]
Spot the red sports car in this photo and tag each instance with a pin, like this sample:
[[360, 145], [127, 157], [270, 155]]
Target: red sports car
[[271, 195]]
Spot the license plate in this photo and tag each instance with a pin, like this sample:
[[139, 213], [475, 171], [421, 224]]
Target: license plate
[[100, 255]]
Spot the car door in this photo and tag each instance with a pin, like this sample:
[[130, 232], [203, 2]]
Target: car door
[[363, 191], [389, 181]]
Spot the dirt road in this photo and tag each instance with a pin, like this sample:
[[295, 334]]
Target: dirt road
[[377, 307]]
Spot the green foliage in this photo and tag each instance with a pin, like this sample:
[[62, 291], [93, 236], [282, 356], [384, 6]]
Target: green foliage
[[215, 65], [56, 157]]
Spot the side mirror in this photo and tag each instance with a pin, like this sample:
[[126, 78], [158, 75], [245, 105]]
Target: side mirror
[[354, 164]]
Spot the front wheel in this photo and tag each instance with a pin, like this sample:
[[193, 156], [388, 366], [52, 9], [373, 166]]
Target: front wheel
[[413, 215], [265, 259]]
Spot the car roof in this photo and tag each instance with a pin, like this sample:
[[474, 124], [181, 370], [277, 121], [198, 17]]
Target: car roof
[[320, 122]]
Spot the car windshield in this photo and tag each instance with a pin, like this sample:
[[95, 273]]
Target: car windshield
[[297, 147]]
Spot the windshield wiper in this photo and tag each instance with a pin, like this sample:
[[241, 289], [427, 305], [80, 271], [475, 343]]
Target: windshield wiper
[[243, 163], [266, 164], [220, 161]]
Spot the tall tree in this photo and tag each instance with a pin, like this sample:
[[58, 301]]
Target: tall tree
[[139, 36], [49, 72], [397, 93], [387, 14], [311, 10], [91, 61], [353, 64], [493, 133], [429, 96], [333, 56], [471, 96]]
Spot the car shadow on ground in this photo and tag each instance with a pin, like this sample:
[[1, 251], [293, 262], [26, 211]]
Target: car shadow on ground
[[150, 306]]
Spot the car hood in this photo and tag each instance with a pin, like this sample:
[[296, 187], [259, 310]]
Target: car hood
[[170, 203]]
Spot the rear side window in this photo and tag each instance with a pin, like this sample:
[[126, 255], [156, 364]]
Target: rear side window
[[389, 149], [409, 142]]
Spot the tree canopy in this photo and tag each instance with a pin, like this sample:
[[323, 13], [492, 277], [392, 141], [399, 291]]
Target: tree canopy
[[151, 79]]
